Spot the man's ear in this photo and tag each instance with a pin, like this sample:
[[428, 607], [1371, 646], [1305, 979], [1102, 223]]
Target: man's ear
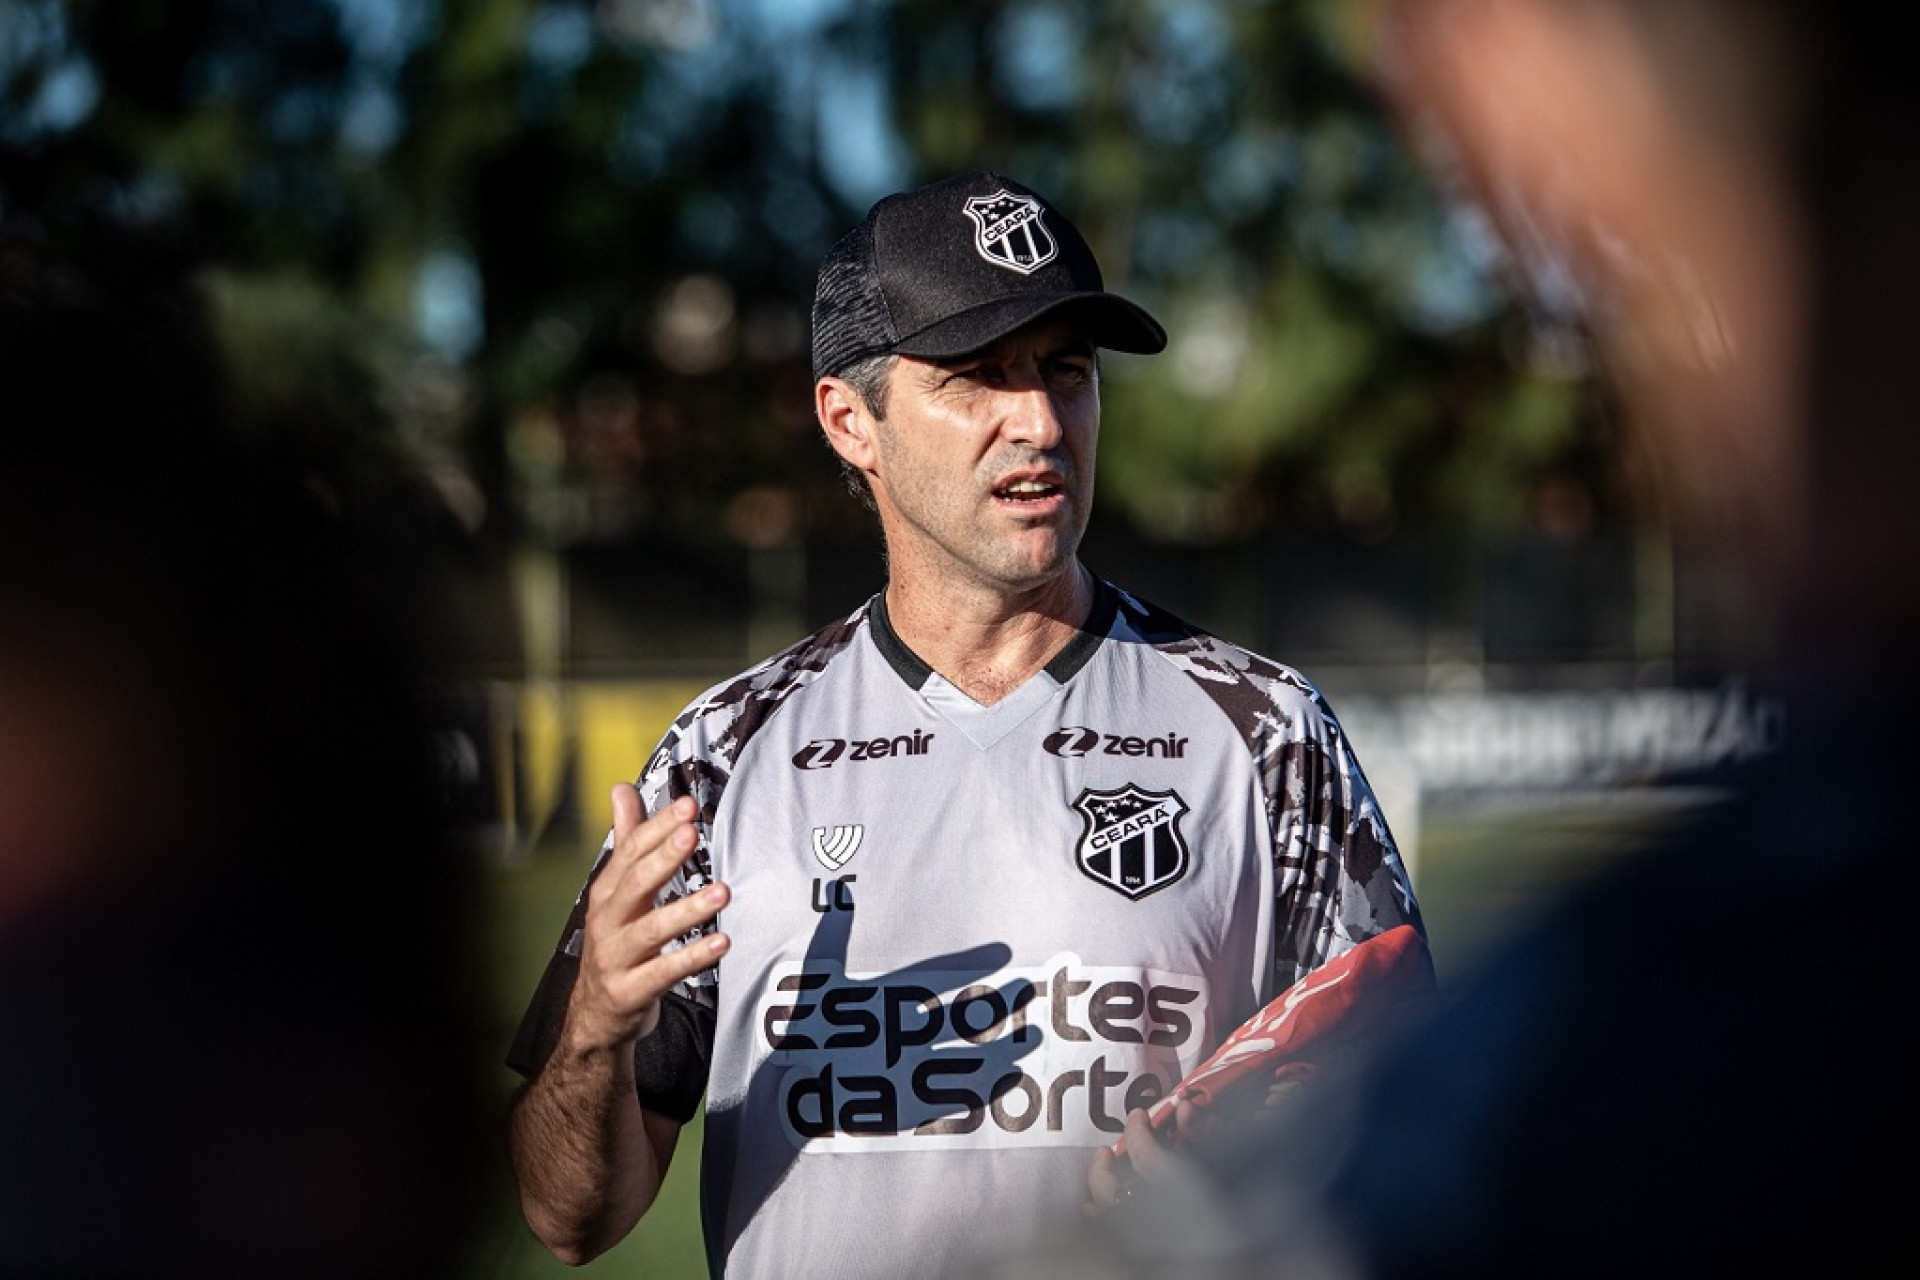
[[847, 422]]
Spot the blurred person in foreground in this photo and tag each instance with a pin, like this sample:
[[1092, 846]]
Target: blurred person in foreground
[[236, 944], [1697, 1062]]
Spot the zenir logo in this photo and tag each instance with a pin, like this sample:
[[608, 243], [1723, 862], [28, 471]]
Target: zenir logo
[[1071, 742], [824, 753], [819, 754], [1074, 741]]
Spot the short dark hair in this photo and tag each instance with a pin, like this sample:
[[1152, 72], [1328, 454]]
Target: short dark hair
[[870, 376]]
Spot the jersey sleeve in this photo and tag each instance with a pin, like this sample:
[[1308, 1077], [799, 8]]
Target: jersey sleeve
[[1338, 877]]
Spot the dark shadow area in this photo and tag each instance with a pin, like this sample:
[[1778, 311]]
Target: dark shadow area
[[239, 965]]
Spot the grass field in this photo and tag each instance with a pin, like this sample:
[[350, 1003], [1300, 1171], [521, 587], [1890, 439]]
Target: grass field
[[1480, 870]]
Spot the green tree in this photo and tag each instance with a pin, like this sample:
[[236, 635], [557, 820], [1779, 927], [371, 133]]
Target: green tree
[[572, 243]]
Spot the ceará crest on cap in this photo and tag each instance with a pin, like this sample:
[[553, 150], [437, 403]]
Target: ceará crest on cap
[[1009, 231]]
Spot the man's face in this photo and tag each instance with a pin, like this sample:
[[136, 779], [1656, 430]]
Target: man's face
[[984, 464]]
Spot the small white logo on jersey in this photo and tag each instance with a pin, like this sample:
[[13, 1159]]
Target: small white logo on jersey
[[834, 847], [1009, 232]]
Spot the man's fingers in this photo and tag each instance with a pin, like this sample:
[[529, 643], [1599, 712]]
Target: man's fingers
[[1196, 1125], [1106, 1178], [628, 811], [635, 831], [640, 940], [624, 970], [654, 851], [1111, 1178], [660, 974], [646, 852], [1151, 1157]]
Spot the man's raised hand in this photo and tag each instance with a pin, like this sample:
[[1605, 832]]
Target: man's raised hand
[[623, 971]]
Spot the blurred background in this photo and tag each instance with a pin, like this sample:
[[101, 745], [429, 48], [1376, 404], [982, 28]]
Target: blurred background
[[525, 283]]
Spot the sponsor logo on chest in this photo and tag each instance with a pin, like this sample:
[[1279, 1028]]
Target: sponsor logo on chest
[[824, 753], [1073, 742], [1054, 1054]]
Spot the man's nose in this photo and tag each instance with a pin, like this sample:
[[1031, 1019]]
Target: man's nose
[[1032, 416]]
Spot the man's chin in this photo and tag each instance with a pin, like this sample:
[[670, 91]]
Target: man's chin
[[1041, 572]]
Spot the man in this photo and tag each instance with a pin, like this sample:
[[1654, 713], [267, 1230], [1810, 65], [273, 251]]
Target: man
[[1696, 1065], [1001, 856]]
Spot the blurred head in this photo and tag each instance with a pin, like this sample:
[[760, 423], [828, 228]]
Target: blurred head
[[1702, 171], [107, 477]]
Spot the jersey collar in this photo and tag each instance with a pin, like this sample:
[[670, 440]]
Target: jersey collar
[[1065, 664]]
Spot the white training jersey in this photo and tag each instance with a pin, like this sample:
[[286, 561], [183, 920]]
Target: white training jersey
[[967, 939]]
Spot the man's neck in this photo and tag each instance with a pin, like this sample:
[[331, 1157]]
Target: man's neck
[[985, 642]]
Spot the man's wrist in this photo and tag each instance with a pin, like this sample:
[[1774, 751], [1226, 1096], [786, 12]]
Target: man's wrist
[[596, 1054]]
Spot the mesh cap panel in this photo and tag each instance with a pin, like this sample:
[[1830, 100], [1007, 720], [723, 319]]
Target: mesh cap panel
[[850, 319]]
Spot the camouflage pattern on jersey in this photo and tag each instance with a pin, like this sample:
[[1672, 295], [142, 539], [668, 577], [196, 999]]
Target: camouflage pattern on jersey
[[1318, 801], [697, 753]]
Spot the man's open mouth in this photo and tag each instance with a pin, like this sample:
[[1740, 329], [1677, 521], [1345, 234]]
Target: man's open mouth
[[1026, 491]]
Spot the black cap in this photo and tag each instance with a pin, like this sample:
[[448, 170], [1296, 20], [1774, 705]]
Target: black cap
[[948, 268]]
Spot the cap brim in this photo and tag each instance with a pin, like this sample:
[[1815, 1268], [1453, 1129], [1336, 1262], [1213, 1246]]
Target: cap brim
[[1110, 321]]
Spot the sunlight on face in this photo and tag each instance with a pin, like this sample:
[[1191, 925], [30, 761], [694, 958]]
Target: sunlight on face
[[985, 464]]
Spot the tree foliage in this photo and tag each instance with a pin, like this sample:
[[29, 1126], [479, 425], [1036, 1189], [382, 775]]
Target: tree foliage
[[568, 246]]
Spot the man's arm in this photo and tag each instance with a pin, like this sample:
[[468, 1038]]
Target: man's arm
[[589, 1159]]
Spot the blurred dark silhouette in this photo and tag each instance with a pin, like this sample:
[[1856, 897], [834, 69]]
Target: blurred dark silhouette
[[1695, 1064], [238, 979]]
